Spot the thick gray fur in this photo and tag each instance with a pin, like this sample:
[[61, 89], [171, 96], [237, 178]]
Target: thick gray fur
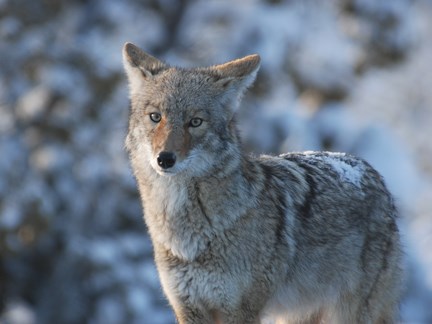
[[298, 238]]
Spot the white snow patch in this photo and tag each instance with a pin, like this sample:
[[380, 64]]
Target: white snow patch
[[347, 172], [33, 103], [18, 312], [11, 216]]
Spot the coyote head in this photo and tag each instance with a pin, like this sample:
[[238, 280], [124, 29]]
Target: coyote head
[[181, 120]]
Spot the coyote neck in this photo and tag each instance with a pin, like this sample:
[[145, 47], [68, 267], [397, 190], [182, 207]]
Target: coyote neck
[[184, 215]]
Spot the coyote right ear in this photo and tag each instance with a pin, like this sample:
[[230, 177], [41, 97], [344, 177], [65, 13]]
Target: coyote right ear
[[135, 60]]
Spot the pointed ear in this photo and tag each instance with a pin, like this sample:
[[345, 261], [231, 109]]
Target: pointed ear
[[140, 65], [241, 72], [234, 77]]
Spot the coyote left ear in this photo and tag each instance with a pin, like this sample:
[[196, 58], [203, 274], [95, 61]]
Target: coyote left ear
[[234, 77], [140, 65], [241, 72]]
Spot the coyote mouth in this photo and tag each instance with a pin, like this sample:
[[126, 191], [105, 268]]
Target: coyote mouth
[[165, 172]]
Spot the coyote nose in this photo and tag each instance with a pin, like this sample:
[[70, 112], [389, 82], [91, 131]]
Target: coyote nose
[[166, 159]]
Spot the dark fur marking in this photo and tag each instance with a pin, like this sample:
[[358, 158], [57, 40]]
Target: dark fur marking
[[304, 210], [278, 198], [201, 205], [381, 270], [280, 226]]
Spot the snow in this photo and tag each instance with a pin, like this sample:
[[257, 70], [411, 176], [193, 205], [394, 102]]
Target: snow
[[11, 217], [18, 312], [338, 161], [341, 76], [347, 172]]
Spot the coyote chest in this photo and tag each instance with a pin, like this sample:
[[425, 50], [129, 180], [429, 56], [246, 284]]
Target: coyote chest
[[211, 279], [167, 210], [184, 217]]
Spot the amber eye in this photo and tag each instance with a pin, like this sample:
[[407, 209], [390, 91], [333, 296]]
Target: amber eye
[[155, 117], [195, 122]]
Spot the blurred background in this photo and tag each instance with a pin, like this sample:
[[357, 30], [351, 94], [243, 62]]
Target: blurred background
[[338, 75]]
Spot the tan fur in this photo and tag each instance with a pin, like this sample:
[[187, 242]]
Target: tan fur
[[168, 139], [298, 238]]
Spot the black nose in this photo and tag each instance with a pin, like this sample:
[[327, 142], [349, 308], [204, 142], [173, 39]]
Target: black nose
[[166, 159]]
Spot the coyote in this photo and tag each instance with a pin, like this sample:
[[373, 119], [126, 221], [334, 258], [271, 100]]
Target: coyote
[[297, 238]]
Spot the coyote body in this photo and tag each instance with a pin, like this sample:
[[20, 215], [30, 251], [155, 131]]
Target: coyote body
[[298, 238]]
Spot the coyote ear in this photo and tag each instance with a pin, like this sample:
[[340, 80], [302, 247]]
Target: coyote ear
[[241, 72], [234, 77], [139, 64]]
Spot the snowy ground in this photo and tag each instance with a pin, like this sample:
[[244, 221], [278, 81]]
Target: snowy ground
[[338, 75]]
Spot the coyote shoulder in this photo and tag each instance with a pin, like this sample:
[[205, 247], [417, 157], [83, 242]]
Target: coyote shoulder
[[297, 238]]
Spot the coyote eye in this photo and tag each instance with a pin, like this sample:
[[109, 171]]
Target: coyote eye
[[195, 122], [155, 117]]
